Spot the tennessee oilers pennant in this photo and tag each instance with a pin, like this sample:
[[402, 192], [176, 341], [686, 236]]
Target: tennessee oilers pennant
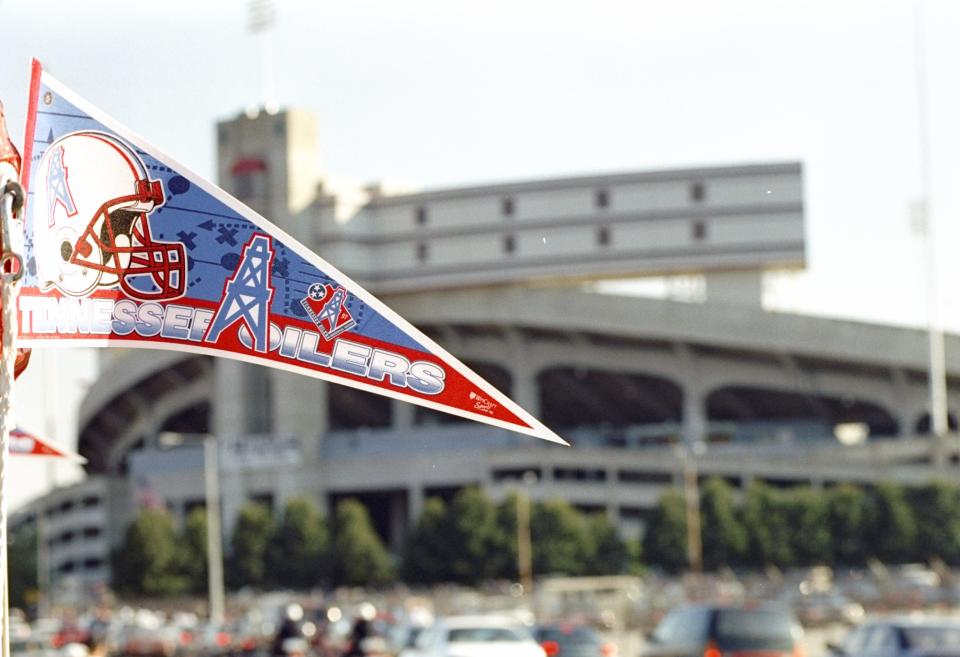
[[124, 247]]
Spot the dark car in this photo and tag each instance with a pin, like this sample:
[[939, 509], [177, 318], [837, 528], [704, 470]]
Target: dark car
[[902, 638], [722, 631], [572, 641]]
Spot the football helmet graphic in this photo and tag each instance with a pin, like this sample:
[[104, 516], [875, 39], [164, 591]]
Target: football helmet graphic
[[92, 198]]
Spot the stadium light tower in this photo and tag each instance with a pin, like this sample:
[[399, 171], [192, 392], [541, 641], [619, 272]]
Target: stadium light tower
[[939, 418], [261, 20]]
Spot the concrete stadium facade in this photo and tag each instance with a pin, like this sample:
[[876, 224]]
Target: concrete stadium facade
[[504, 277]]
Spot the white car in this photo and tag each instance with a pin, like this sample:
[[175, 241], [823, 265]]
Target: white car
[[475, 636]]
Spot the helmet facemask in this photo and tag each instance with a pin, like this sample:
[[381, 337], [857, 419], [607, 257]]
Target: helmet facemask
[[95, 199], [118, 243]]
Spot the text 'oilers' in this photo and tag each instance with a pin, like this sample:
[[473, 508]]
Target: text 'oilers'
[[93, 317]]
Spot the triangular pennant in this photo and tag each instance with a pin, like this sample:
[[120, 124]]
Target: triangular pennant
[[25, 443], [126, 247]]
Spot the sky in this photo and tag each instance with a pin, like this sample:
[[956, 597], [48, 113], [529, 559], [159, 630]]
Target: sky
[[439, 93]]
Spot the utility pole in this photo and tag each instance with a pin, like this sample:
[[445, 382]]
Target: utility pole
[[524, 543], [691, 496], [939, 419], [262, 17], [211, 472]]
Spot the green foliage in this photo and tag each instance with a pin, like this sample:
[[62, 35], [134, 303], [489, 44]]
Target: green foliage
[[507, 547], [473, 540], [148, 562], [359, 557], [193, 550], [890, 525], [296, 553], [474, 536], [808, 516], [635, 564], [22, 553], [937, 511], [665, 539], [561, 542], [766, 515], [802, 526], [846, 518], [429, 546], [724, 537], [610, 555], [252, 535]]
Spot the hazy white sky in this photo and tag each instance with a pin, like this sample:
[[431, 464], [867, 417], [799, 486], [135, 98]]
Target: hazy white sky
[[437, 93]]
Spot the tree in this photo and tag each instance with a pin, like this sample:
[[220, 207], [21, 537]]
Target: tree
[[809, 513], [846, 517], [22, 555], [936, 508], [148, 562], [426, 555], [561, 543], [610, 555], [475, 537], [766, 517], [723, 534], [891, 528], [507, 549], [193, 550], [297, 553], [359, 557], [665, 539], [252, 534], [634, 557]]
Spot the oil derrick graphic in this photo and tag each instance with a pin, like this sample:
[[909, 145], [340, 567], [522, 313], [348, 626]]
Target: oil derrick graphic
[[247, 294]]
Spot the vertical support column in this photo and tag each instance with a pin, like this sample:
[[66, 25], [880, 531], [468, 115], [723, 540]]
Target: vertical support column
[[694, 423], [233, 496], [403, 414], [613, 496], [524, 373], [905, 405], [415, 502], [229, 414], [399, 521], [300, 409]]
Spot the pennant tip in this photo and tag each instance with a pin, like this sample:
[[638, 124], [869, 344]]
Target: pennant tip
[[549, 436]]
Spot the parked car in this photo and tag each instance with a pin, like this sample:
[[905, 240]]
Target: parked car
[[815, 609], [475, 636], [715, 630], [136, 641], [901, 638], [567, 640], [403, 636]]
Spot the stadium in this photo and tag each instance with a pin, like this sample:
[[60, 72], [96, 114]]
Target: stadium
[[509, 278]]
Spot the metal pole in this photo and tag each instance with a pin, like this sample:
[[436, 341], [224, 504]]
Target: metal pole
[[262, 16], [524, 540], [211, 471], [44, 585], [691, 494], [11, 270], [939, 419], [44, 598], [524, 548]]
